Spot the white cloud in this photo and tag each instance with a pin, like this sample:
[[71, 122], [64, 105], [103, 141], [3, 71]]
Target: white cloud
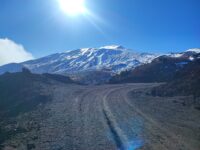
[[11, 52]]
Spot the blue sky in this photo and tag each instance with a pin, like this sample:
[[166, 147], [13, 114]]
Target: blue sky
[[143, 25]]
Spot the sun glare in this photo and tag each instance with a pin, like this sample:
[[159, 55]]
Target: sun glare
[[72, 7]]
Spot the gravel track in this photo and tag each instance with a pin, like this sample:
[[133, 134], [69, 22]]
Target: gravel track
[[110, 117]]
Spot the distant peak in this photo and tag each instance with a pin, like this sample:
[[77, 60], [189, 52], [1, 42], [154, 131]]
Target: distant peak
[[85, 49], [196, 50], [115, 47]]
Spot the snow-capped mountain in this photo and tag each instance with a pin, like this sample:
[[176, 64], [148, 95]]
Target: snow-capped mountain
[[113, 58]]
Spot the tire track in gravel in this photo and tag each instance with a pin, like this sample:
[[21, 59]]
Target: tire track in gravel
[[91, 132], [163, 131], [119, 137], [98, 110], [97, 120], [153, 124], [126, 111], [115, 132]]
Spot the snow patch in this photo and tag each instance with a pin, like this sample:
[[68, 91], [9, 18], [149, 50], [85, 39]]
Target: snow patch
[[191, 58], [195, 50], [113, 47], [176, 55]]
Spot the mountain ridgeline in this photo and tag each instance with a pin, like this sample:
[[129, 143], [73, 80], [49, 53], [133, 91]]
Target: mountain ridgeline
[[112, 58], [87, 65], [110, 64], [161, 69]]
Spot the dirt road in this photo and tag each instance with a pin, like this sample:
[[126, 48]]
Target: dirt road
[[110, 117]]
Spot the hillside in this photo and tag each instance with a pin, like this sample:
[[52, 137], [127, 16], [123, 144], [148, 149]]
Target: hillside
[[161, 69], [185, 82], [23, 92]]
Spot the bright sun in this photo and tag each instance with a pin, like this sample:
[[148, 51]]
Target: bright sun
[[72, 7]]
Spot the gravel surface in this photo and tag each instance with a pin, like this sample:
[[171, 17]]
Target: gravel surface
[[108, 117]]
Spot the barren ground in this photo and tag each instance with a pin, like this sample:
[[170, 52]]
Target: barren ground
[[108, 117]]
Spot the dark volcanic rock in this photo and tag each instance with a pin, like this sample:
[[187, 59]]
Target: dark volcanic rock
[[185, 82]]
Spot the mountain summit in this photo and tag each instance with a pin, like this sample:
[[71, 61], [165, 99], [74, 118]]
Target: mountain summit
[[114, 47]]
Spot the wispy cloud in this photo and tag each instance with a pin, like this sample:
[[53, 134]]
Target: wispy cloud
[[11, 52]]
